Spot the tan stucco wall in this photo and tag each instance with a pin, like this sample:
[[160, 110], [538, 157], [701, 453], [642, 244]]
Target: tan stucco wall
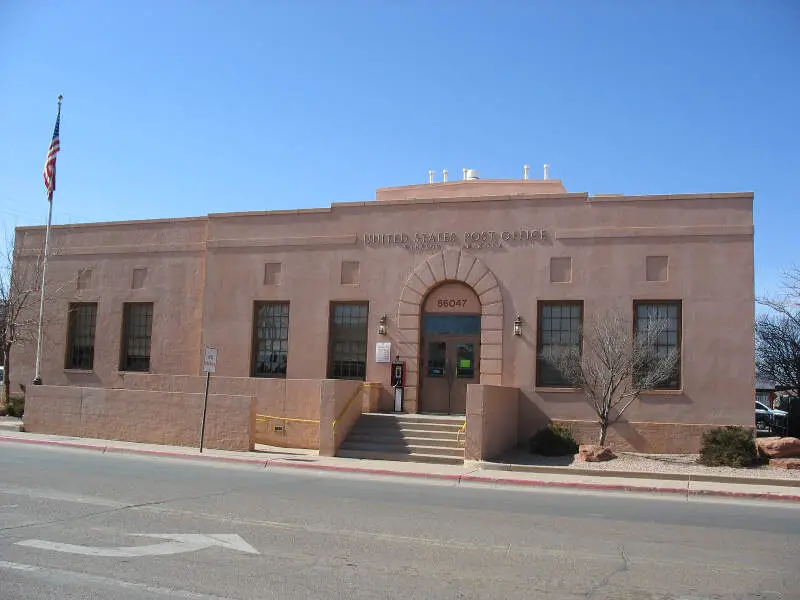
[[492, 421], [631, 436], [172, 418], [341, 402], [205, 274]]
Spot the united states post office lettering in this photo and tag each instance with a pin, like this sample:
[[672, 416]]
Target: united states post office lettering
[[470, 239]]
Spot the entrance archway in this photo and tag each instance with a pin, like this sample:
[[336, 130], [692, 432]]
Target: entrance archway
[[450, 336], [453, 264]]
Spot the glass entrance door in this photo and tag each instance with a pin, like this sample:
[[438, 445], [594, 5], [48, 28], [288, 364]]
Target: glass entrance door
[[449, 363]]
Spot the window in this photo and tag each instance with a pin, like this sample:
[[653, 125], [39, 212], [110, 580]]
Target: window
[[270, 339], [559, 330], [347, 349], [137, 329], [669, 339], [80, 336]]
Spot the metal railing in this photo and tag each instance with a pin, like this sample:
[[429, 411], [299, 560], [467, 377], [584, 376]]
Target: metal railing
[[361, 387], [267, 418]]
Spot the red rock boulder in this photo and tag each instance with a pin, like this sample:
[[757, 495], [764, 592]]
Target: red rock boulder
[[779, 447], [593, 453], [785, 463]]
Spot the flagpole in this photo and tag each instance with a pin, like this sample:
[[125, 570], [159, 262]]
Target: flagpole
[[37, 380]]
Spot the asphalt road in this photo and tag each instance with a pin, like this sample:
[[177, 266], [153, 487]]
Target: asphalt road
[[317, 535]]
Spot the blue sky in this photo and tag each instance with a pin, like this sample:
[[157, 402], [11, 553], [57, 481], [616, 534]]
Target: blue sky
[[179, 108]]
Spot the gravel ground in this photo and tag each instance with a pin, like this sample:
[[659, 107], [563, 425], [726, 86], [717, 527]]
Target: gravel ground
[[682, 464]]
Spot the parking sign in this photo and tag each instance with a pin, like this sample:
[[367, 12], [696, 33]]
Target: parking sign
[[210, 360]]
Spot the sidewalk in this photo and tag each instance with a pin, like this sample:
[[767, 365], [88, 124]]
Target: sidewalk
[[493, 474]]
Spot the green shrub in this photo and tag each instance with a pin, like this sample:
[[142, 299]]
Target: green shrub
[[554, 440], [14, 406], [728, 447]]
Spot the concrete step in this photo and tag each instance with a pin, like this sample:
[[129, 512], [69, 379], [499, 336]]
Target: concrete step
[[399, 456], [408, 440], [9, 425], [406, 425], [387, 432], [403, 449], [404, 418]]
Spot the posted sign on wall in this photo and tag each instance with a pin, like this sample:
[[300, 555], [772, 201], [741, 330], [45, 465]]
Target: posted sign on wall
[[383, 352], [210, 360]]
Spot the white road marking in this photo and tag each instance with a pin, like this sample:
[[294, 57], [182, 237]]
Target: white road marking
[[179, 543], [62, 576]]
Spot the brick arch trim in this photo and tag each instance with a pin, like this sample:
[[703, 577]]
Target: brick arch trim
[[451, 265]]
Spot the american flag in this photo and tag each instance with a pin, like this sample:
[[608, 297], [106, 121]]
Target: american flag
[[50, 163]]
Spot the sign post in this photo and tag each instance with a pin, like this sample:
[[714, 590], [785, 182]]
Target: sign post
[[209, 367]]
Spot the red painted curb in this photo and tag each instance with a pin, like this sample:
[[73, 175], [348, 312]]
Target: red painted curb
[[610, 487]]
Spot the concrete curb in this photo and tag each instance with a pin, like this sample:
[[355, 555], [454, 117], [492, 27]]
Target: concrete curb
[[458, 478], [639, 475]]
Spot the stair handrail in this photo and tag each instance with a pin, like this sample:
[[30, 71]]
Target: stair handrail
[[267, 418], [361, 387], [462, 429]]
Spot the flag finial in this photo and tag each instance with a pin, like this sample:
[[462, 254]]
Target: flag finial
[[60, 98]]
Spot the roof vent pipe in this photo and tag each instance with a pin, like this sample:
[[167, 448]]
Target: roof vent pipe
[[546, 169], [465, 172], [444, 175], [525, 170], [472, 174], [430, 176]]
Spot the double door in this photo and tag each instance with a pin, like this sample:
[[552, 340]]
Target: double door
[[449, 363]]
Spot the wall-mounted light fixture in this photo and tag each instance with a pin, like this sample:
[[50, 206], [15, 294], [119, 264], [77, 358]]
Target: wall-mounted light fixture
[[382, 326], [518, 325]]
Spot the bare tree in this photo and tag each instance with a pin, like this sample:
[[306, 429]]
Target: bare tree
[[778, 334], [20, 295], [612, 365], [20, 287]]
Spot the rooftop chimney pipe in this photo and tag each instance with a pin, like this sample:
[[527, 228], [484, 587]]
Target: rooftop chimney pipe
[[525, 170], [430, 176], [546, 168], [444, 175]]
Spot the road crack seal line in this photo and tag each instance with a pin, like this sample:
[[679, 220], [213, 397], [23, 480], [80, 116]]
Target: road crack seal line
[[626, 566]]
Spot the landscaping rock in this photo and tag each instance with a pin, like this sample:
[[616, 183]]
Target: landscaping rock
[[593, 453], [779, 447], [785, 463]]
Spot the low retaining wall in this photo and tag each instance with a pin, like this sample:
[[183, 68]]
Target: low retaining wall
[[165, 409], [647, 437], [341, 403], [287, 399], [492, 421], [495, 425], [150, 417]]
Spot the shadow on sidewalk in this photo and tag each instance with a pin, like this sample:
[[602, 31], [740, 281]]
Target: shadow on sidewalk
[[521, 457]]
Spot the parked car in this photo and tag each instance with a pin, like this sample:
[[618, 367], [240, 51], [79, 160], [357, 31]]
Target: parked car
[[769, 419]]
